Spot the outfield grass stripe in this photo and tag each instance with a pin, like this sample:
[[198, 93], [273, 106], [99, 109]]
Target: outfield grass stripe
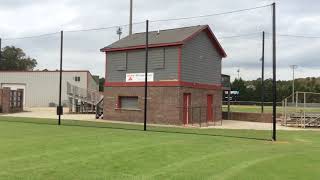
[[27, 152], [86, 158], [230, 173]]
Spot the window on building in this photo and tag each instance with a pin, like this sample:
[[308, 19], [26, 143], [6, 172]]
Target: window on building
[[77, 78], [128, 102]]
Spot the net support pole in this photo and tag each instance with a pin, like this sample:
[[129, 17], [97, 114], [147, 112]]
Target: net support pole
[[274, 81], [60, 109], [146, 77]]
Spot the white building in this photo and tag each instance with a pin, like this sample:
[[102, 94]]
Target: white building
[[41, 88]]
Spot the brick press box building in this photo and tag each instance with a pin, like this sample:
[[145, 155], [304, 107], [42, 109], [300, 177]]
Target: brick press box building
[[184, 75]]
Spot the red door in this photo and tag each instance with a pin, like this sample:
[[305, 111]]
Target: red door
[[209, 108], [186, 107]]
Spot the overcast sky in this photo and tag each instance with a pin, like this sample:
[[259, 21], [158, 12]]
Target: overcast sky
[[33, 17]]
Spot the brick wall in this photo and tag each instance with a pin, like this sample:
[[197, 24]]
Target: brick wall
[[251, 117], [164, 104], [199, 103], [5, 102]]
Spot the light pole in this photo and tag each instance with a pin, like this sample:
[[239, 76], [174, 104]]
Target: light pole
[[262, 73], [119, 32], [238, 71], [293, 67]]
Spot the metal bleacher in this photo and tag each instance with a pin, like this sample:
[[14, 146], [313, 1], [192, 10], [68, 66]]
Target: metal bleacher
[[301, 110], [83, 100]]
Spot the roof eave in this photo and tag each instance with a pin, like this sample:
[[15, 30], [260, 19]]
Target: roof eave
[[106, 49]]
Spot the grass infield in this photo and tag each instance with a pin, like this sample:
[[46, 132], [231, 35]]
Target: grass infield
[[39, 149]]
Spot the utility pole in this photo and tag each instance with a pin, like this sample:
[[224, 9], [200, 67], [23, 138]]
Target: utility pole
[[262, 73], [274, 67], [293, 67], [130, 19]]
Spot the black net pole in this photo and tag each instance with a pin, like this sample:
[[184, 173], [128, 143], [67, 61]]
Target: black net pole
[[146, 76], [60, 108], [274, 61]]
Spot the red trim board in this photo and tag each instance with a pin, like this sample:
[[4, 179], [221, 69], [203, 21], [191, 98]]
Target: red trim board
[[164, 84]]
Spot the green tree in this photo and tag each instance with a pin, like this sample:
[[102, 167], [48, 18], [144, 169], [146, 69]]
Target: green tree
[[101, 84], [15, 59], [239, 85]]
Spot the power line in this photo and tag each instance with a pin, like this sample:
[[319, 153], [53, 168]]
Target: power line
[[116, 26], [173, 19], [28, 37], [240, 35], [297, 36], [216, 14], [80, 30], [105, 28]]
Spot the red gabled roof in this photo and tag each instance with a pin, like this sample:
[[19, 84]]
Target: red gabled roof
[[205, 28]]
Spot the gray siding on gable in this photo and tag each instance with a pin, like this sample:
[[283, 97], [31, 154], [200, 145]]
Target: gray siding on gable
[[201, 63], [163, 62]]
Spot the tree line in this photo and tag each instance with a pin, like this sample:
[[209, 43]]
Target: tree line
[[14, 59], [251, 90]]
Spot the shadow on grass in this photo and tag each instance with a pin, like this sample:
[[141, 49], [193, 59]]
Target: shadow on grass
[[228, 133]]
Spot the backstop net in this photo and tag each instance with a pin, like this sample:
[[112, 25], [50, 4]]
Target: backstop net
[[95, 98]]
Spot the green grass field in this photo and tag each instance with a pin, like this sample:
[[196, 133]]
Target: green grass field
[[38, 149], [250, 108]]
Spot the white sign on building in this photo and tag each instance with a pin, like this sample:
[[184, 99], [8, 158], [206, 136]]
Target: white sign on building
[[139, 77]]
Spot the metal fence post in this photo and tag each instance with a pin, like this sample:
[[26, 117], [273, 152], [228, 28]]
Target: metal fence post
[[200, 115], [229, 104], [297, 97], [304, 110], [285, 110], [60, 108]]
